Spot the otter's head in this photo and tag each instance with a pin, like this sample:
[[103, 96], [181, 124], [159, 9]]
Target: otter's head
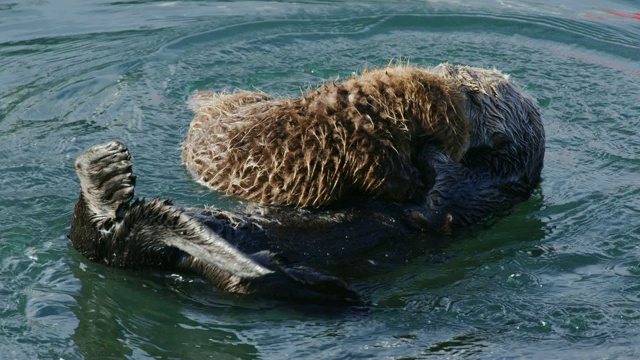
[[495, 106], [503, 117]]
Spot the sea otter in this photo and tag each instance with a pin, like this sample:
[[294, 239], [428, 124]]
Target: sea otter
[[290, 252], [362, 135]]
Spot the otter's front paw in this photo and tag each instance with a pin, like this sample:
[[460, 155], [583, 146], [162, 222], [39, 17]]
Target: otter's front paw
[[106, 177], [429, 162]]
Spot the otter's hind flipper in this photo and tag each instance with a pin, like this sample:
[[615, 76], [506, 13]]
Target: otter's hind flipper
[[301, 283], [135, 234], [106, 179], [223, 264], [155, 234], [157, 223]]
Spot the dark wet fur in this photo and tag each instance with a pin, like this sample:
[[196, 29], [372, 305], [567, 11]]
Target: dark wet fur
[[286, 253], [503, 164]]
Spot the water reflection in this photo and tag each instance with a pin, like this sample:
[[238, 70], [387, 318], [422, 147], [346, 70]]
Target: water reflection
[[114, 309]]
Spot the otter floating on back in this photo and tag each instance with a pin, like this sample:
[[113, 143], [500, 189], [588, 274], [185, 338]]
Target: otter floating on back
[[471, 151]]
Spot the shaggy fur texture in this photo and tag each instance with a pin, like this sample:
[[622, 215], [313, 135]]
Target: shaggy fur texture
[[466, 143], [359, 136]]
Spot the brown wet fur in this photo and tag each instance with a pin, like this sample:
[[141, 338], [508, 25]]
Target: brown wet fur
[[362, 135]]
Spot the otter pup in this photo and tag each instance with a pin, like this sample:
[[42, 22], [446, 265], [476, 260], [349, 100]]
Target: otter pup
[[362, 135], [383, 133]]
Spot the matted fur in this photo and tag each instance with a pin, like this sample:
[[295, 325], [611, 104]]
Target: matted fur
[[361, 135]]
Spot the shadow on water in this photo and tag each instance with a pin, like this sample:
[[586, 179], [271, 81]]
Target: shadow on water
[[115, 308], [179, 315]]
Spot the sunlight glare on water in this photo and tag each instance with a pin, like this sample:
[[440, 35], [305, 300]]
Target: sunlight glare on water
[[557, 278]]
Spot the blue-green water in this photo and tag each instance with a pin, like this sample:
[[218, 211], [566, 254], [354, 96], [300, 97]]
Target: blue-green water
[[558, 278]]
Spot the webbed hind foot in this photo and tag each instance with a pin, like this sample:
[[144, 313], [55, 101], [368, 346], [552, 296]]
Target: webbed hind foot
[[106, 178]]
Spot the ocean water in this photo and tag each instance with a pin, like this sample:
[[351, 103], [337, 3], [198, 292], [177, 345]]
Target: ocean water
[[559, 278]]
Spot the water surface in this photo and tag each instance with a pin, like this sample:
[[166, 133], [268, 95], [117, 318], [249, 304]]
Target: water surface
[[558, 278]]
